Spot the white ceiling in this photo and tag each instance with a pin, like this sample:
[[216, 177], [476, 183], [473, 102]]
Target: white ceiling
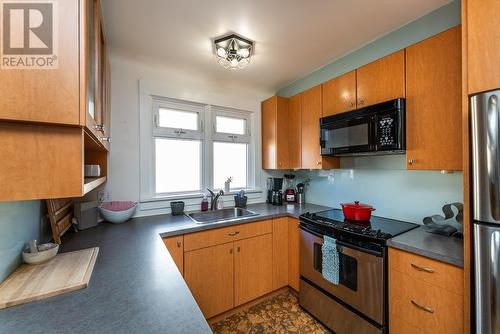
[[293, 37]]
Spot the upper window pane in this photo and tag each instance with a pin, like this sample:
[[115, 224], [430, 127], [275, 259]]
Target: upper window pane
[[178, 119], [178, 165], [230, 125], [230, 160]]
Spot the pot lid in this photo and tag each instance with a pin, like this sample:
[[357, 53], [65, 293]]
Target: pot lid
[[356, 205]]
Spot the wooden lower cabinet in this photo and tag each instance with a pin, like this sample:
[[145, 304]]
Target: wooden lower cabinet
[[280, 253], [253, 268], [424, 295], [293, 253], [175, 246], [209, 273], [262, 257]]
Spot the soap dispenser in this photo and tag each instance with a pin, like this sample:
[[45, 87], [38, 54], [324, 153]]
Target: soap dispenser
[[204, 203]]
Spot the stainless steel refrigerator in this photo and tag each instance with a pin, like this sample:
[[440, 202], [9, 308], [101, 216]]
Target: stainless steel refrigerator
[[485, 122]]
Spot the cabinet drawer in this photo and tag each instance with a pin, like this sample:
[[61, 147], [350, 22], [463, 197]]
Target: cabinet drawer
[[441, 274], [423, 305], [218, 236]]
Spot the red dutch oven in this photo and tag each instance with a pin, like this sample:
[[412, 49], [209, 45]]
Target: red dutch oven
[[357, 211]]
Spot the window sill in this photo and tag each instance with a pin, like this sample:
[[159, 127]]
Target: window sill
[[159, 198]]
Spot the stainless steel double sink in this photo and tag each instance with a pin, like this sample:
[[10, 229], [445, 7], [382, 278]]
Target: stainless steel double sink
[[229, 214]]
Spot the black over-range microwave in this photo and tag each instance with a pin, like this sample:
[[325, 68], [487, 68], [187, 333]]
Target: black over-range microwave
[[377, 129]]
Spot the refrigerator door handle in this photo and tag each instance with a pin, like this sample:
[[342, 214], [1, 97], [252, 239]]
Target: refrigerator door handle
[[493, 128], [487, 275]]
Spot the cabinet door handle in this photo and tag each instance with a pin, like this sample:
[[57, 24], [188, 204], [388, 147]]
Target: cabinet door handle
[[361, 102], [318, 163], [231, 251], [234, 233], [108, 139], [421, 307], [238, 249], [179, 244], [99, 127], [425, 269], [411, 161], [352, 104]]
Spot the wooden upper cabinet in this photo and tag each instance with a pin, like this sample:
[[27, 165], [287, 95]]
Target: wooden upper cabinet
[[295, 131], [381, 80], [483, 45], [433, 103], [75, 91], [95, 83], [40, 161], [311, 106], [47, 95], [311, 113], [339, 94], [275, 133]]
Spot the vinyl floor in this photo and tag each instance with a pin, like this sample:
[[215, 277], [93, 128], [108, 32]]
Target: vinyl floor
[[279, 314]]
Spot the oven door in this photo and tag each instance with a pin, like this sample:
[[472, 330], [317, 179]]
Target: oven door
[[361, 275], [348, 136]]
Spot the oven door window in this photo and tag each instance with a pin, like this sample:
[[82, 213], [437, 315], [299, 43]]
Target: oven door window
[[347, 136], [348, 269]]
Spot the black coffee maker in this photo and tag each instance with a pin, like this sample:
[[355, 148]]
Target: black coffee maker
[[274, 193]]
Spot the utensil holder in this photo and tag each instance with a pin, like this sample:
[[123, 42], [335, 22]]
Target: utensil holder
[[240, 202], [177, 208]]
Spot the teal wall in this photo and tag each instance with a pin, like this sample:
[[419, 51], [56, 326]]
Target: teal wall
[[431, 24], [19, 222], [383, 181]]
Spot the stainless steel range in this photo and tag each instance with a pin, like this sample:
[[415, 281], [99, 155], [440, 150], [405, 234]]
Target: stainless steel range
[[358, 304]]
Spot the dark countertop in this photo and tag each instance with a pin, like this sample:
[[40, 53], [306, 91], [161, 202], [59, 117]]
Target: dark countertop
[[135, 286], [182, 224], [434, 246]]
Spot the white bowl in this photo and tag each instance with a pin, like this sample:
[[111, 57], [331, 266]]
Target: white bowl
[[45, 253], [117, 217]]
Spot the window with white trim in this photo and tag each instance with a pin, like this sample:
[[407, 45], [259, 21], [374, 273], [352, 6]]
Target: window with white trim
[[196, 146]]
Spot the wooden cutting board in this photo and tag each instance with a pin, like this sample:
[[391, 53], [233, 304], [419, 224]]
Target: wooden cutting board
[[65, 272]]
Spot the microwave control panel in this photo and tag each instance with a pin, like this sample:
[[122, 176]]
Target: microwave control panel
[[387, 132]]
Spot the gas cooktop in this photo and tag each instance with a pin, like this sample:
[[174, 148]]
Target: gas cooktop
[[377, 228]]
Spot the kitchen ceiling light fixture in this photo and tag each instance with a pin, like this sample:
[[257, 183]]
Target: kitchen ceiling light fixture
[[233, 52]]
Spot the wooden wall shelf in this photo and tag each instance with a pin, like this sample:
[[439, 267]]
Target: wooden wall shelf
[[90, 183]]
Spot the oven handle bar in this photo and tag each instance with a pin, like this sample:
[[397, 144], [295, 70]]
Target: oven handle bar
[[345, 244]]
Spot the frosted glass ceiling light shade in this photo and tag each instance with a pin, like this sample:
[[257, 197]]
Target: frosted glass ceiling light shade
[[233, 52]]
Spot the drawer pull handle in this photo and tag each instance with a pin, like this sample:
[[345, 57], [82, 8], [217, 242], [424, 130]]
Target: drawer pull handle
[[234, 233], [425, 269], [179, 244], [423, 308]]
